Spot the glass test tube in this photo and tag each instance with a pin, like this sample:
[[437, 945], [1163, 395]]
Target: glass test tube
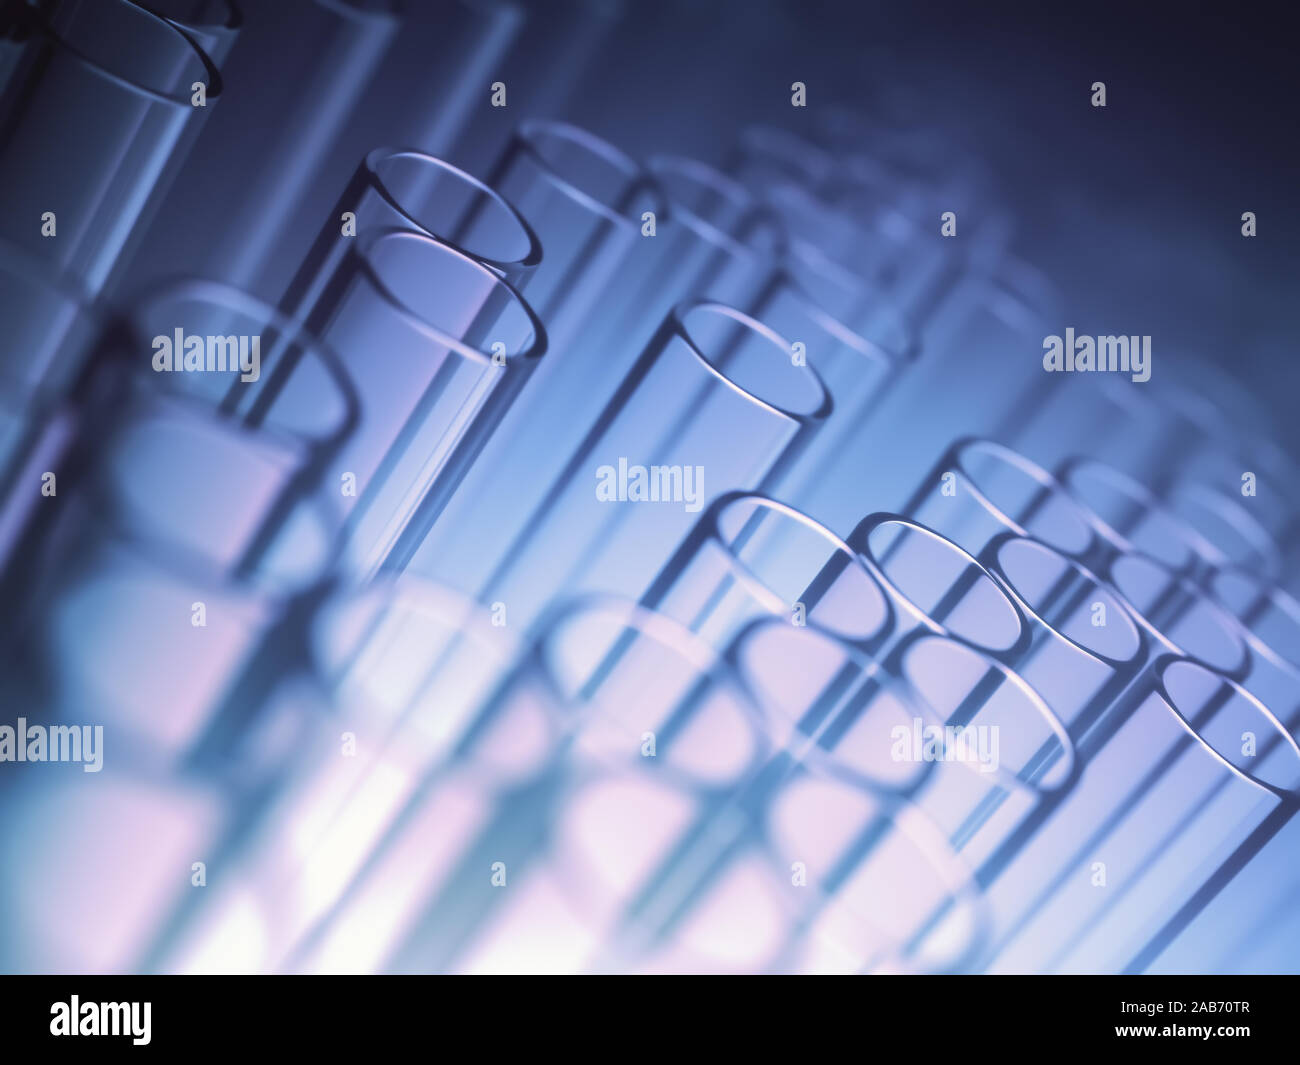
[[874, 905], [164, 501], [406, 670], [996, 749], [430, 84], [1177, 619], [980, 488], [862, 347], [241, 209], [1227, 522], [608, 897], [213, 24], [396, 188], [50, 330], [1136, 862], [437, 345], [1064, 632], [116, 81], [585, 199], [750, 556], [130, 834], [141, 616], [440, 920], [1129, 518], [713, 243], [713, 404]]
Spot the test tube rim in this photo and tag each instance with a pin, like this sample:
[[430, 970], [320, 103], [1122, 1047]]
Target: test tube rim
[[534, 252], [526, 137], [362, 250], [180, 99], [677, 322]]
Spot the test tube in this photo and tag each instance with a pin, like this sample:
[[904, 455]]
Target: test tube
[[439, 920], [176, 525], [1136, 862], [214, 25], [438, 346], [1226, 522], [714, 243], [259, 158], [751, 556], [404, 669], [1065, 632], [980, 488], [1270, 618], [862, 347], [116, 81], [131, 834], [960, 386], [434, 79], [838, 818], [713, 404], [1177, 619], [50, 330], [1129, 518], [595, 894], [585, 200], [994, 748], [396, 188]]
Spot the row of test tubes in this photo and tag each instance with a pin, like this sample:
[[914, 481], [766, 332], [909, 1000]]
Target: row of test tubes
[[918, 664]]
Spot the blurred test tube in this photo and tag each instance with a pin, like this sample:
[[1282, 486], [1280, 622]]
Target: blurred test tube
[[116, 81], [397, 188], [438, 346], [750, 556], [713, 404], [235, 212], [1209, 776], [711, 242]]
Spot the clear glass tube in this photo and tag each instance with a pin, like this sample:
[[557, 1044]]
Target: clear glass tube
[[1130, 863], [750, 556], [141, 416], [397, 188], [862, 347], [432, 82], [1225, 522], [712, 405], [585, 199], [979, 488], [437, 346], [162, 597], [970, 343], [213, 24], [1057, 624], [880, 901], [50, 331], [1129, 518], [241, 209], [707, 734], [156, 640], [115, 81], [406, 672], [713, 243]]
